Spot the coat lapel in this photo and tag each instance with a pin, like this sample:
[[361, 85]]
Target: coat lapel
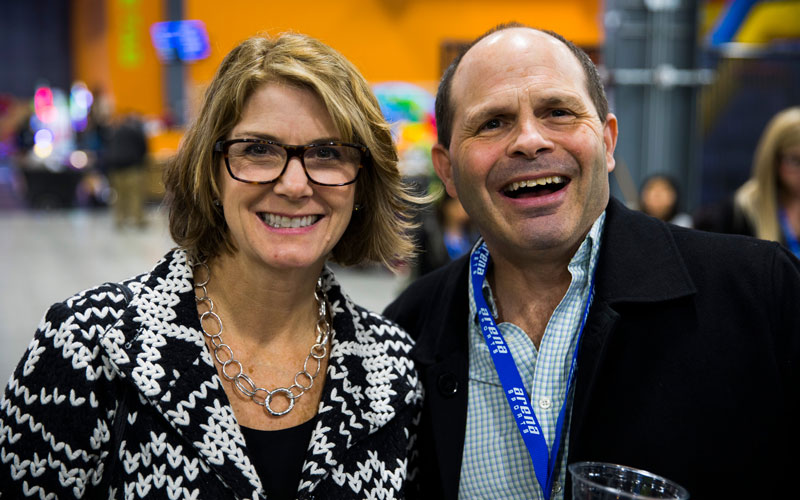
[[639, 260], [360, 396], [639, 263], [442, 354], [157, 346]]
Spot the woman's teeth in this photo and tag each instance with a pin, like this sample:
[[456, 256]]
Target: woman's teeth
[[542, 181], [280, 221]]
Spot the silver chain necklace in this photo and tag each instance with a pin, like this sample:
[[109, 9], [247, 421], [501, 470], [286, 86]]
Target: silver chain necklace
[[225, 357]]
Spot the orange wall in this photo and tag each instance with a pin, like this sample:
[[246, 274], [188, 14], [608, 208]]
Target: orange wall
[[90, 61], [135, 69], [112, 51], [386, 39]]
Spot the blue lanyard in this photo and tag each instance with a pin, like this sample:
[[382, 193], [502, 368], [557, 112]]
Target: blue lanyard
[[544, 462], [788, 233]]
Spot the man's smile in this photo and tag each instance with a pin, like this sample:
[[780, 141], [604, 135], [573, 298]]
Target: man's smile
[[535, 187]]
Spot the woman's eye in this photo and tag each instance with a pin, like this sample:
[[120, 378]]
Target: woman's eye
[[259, 150], [325, 153]]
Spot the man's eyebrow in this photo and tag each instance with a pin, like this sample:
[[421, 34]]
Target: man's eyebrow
[[559, 100], [484, 111]]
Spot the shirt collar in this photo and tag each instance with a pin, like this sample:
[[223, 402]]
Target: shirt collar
[[585, 257]]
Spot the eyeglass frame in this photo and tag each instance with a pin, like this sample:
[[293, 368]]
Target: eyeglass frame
[[292, 150]]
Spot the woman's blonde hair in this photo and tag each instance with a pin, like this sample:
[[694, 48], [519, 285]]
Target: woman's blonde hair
[[758, 197], [379, 231]]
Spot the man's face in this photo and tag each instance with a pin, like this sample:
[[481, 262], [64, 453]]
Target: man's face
[[529, 157]]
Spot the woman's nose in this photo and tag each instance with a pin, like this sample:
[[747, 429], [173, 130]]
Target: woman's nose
[[293, 182]]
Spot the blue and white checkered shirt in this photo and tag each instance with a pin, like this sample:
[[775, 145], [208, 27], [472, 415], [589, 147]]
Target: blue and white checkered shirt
[[496, 462]]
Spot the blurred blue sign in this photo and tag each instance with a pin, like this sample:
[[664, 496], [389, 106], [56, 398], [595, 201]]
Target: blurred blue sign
[[180, 40]]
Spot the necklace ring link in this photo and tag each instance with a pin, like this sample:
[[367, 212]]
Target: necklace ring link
[[228, 363], [216, 318], [246, 385], [223, 348], [299, 384], [305, 366], [280, 390]]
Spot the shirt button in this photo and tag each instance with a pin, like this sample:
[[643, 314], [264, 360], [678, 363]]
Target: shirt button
[[545, 403], [556, 487], [448, 385]]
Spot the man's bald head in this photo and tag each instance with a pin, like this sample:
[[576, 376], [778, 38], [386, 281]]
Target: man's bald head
[[445, 108]]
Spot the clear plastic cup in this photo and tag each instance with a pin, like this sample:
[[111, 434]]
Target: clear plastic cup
[[602, 481]]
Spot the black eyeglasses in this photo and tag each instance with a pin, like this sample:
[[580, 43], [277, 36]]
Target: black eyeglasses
[[257, 161]]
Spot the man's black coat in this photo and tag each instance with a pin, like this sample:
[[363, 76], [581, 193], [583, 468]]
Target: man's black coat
[[688, 366]]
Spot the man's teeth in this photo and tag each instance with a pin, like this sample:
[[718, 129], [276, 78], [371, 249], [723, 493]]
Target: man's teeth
[[542, 181], [280, 221]]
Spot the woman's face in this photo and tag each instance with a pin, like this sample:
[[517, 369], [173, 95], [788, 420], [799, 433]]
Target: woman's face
[[789, 171], [290, 223]]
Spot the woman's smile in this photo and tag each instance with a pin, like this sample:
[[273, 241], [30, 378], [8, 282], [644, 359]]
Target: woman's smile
[[282, 221]]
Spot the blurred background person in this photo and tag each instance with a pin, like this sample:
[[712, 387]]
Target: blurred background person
[[659, 197], [125, 160], [445, 234], [23, 137], [457, 232], [768, 204]]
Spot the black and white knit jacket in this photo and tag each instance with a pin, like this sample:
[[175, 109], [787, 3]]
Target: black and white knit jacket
[[177, 436]]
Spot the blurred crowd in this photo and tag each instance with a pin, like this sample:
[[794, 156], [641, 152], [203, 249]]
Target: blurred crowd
[[766, 206], [62, 151]]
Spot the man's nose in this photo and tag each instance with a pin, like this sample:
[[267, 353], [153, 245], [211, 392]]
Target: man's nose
[[530, 138]]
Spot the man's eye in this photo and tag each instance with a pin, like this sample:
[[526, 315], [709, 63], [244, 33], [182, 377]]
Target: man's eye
[[558, 113], [491, 124]]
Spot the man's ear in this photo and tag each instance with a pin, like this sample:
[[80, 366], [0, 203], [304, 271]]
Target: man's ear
[[610, 139], [444, 168]]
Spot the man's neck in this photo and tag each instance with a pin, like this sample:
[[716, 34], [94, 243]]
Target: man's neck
[[527, 295]]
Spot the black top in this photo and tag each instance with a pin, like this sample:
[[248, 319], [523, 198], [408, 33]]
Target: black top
[[278, 457]]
